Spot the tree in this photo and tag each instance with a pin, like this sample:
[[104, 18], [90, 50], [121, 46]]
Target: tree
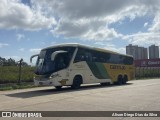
[[10, 62]]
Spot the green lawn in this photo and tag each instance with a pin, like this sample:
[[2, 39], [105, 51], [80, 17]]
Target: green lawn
[[10, 74], [12, 86]]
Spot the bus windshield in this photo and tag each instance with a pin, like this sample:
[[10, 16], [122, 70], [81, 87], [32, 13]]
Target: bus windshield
[[45, 65]]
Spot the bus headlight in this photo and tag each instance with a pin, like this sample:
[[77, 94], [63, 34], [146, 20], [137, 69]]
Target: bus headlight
[[54, 75]]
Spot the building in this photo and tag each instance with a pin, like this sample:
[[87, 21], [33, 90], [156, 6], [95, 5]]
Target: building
[[153, 52], [132, 50], [137, 52], [145, 53], [147, 63]]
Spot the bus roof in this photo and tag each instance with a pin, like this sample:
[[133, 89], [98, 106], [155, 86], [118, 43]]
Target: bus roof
[[84, 46]]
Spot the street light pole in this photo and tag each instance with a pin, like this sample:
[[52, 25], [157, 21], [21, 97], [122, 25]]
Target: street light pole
[[20, 66]]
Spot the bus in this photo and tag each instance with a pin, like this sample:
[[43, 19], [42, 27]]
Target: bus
[[76, 64]]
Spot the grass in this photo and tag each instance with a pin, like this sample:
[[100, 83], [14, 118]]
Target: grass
[[9, 77], [10, 74], [16, 86]]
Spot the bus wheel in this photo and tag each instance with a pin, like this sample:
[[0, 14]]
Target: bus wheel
[[125, 79], [58, 87], [120, 80], [77, 81]]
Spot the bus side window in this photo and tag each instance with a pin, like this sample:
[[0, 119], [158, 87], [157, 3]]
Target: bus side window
[[88, 56], [80, 56], [100, 57], [128, 60], [94, 56], [114, 59], [83, 55]]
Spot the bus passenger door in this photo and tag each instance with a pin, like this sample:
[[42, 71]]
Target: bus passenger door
[[77, 69], [81, 68], [87, 73]]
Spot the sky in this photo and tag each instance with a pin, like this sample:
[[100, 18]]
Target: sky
[[27, 26]]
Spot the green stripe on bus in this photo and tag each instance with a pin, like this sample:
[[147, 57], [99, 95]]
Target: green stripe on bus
[[98, 69], [102, 70], [94, 70]]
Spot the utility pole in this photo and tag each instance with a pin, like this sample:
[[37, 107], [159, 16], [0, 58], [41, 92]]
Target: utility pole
[[1, 72], [20, 66]]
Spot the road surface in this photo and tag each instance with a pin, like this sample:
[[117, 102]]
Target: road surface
[[137, 95]]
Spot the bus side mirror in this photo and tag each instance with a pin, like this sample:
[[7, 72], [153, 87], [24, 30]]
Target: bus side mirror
[[53, 55], [33, 57]]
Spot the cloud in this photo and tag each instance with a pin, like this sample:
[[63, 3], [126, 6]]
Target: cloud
[[35, 50], [111, 47], [145, 38], [85, 29], [90, 19], [3, 45], [90, 9], [82, 19], [145, 24], [101, 35], [20, 36], [152, 35], [16, 15], [156, 24]]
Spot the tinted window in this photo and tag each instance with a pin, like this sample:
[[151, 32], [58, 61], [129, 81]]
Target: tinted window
[[46, 66], [100, 56], [128, 60], [114, 59], [83, 55], [97, 56]]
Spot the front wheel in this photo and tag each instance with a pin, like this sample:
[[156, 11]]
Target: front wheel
[[77, 81]]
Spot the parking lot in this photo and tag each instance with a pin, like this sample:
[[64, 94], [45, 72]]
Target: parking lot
[[137, 95]]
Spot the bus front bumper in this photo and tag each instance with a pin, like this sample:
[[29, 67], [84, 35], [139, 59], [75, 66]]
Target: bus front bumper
[[46, 83], [42, 83]]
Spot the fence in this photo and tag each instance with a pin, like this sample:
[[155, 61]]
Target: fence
[[10, 74], [147, 72]]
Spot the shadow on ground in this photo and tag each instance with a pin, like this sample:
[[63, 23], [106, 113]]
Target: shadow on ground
[[53, 91]]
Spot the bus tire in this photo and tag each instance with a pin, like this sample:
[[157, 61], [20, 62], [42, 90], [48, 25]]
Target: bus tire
[[77, 81], [58, 87], [125, 79], [120, 80]]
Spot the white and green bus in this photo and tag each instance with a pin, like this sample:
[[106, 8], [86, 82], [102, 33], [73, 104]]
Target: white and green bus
[[75, 64]]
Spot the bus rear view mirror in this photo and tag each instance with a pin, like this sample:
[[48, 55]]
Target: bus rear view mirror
[[33, 57], [54, 54]]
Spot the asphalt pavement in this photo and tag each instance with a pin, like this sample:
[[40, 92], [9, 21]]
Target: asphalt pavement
[[136, 95]]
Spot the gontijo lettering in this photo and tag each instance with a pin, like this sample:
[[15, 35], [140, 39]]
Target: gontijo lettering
[[117, 67]]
